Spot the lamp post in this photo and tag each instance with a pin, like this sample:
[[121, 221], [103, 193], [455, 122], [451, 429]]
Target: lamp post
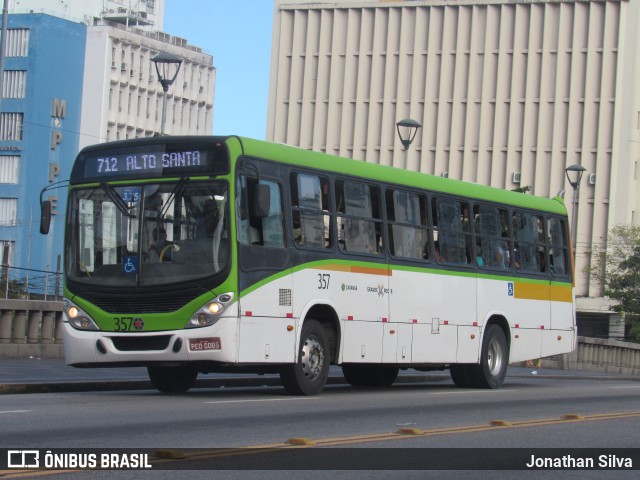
[[167, 67], [410, 129], [574, 175]]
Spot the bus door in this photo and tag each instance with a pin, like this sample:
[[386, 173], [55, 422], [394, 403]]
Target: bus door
[[360, 237], [561, 292], [409, 249], [264, 285]]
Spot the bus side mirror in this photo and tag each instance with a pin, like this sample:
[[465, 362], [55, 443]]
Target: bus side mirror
[[263, 200], [45, 216]]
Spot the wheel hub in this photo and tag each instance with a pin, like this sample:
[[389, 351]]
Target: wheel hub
[[312, 358]]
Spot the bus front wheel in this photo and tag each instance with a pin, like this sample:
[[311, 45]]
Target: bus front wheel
[[172, 379], [308, 375]]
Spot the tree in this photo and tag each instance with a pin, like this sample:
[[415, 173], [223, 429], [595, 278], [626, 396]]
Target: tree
[[617, 269]]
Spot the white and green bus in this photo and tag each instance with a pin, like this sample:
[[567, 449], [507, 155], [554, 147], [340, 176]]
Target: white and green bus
[[193, 255]]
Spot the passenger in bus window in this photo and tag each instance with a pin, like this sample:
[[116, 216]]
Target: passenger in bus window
[[479, 258], [160, 246], [437, 251]]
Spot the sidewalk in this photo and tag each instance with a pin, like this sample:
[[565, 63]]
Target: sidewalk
[[33, 375]]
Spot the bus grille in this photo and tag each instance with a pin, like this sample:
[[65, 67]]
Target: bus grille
[[140, 303], [133, 343]]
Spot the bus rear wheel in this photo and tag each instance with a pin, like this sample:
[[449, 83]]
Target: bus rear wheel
[[462, 375], [494, 359], [369, 375], [308, 375], [172, 379]]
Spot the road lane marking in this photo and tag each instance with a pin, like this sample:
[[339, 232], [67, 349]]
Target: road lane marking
[[466, 392], [332, 442], [16, 411], [388, 436], [215, 402]]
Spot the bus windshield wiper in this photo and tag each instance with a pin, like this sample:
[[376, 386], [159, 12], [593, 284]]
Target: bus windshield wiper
[[177, 191], [115, 198]]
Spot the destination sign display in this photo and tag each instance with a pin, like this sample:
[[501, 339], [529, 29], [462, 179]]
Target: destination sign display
[[144, 163], [152, 158]]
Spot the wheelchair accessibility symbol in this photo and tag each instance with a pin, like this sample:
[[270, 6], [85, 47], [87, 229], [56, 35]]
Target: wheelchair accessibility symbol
[[130, 264]]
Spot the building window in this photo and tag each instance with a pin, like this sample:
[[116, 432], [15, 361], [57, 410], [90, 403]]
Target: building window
[[14, 84], [11, 126], [6, 250], [9, 169], [8, 208], [17, 42]]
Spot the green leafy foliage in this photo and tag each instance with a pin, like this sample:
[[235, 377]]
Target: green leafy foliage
[[618, 271]]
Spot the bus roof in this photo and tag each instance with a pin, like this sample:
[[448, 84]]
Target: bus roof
[[330, 163]]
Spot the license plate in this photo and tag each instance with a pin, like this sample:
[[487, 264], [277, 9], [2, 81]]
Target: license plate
[[200, 344]]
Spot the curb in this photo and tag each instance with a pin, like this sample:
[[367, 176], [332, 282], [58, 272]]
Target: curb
[[232, 382], [255, 381]]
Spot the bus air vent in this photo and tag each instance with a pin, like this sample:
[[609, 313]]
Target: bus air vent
[[285, 297]]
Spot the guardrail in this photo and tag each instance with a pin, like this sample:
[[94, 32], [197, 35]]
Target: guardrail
[[31, 328], [599, 355]]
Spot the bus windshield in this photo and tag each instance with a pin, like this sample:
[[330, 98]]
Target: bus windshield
[[150, 234]]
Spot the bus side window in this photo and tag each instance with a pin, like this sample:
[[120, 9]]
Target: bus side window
[[310, 205], [529, 247], [259, 227], [359, 217], [558, 250], [407, 218], [454, 235], [492, 230]]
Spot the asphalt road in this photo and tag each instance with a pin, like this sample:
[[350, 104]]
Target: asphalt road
[[345, 432]]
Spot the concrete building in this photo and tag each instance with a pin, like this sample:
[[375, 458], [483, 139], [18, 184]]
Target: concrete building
[[41, 102], [509, 93], [68, 84], [142, 13], [122, 97]]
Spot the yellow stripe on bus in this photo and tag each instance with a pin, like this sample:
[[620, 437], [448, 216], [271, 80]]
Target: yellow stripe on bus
[[356, 269], [537, 291]]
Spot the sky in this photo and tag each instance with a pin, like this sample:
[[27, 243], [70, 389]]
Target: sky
[[238, 35]]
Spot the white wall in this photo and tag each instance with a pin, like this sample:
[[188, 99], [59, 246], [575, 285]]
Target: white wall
[[499, 87]]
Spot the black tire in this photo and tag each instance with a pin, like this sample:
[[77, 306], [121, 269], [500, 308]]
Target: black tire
[[494, 359], [172, 379], [383, 376], [369, 375], [309, 374], [461, 374], [355, 375]]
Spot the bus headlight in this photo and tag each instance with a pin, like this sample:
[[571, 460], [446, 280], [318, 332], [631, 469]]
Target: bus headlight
[[211, 312], [78, 318]]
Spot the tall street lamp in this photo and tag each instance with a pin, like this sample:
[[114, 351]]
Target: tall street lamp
[[167, 66], [407, 130], [574, 175]]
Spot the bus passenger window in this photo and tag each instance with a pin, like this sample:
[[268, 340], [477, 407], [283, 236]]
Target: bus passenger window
[[493, 249], [453, 233], [359, 217], [407, 218], [529, 247], [310, 205], [558, 250]]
